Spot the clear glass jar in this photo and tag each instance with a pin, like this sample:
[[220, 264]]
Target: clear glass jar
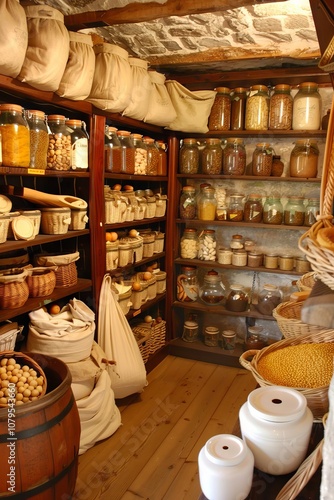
[[15, 136], [207, 204], [211, 336], [212, 157], [253, 209], [188, 203], [257, 108], [262, 159], [189, 244], [190, 331], [238, 108], [256, 338], [237, 300], [212, 291], [272, 210], [187, 284], [153, 156], [235, 209], [307, 106], [269, 298], [304, 159], [280, 108], [127, 152], [59, 141], [39, 138], [189, 157], [234, 157], [207, 245], [239, 258], [294, 211], [277, 167], [312, 210], [220, 115], [162, 167], [220, 193], [237, 242], [140, 154], [112, 151], [79, 144]]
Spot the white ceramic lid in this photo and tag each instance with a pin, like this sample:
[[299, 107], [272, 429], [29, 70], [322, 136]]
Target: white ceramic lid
[[276, 403], [5, 204], [23, 228], [225, 449]]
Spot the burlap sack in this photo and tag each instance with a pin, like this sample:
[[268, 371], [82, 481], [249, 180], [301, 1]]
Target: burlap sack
[[141, 89], [13, 37], [160, 110]]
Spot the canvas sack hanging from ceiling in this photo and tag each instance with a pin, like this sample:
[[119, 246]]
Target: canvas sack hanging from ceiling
[[77, 80], [128, 374], [13, 37], [161, 111], [192, 107], [112, 82], [48, 48], [141, 90]]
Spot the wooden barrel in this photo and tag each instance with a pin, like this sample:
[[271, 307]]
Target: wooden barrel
[[39, 442]]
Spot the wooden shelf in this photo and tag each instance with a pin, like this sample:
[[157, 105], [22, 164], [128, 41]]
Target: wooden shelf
[[133, 177], [200, 307], [143, 222], [258, 134], [253, 178], [150, 303], [40, 239], [146, 260], [252, 225]]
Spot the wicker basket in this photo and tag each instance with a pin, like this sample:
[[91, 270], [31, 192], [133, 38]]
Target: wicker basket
[[142, 336], [35, 217], [306, 282], [287, 315], [317, 398], [4, 226], [150, 337], [8, 336], [41, 281], [14, 291], [79, 219], [16, 258], [23, 359], [66, 272], [55, 220]]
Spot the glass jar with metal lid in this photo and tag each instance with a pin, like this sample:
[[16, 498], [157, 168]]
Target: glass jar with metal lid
[[269, 298], [237, 300], [207, 204], [189, 157], [187, 284], [59, 141], [188, 203], [257, 108], [235, 209], [212, 157], [140, 154], [304, 159], [280, 108], [15, 134], [294, 211], [253, 209], [262, 159], [212, 291], [189, 244], [207, 245], [39, 138], [312, 210], [234, 157], [127, 152], [238, 108], [79, 144], [112, 151], [273, 210], [220, 114], [307, 105]]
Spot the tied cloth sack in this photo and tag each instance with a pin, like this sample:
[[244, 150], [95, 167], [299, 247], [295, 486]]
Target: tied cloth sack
[[48, 48], [141, 90], [192, 108], [160, 111], [128, 374], [77, 80], [13, 37], [68, 335], [112, 82]]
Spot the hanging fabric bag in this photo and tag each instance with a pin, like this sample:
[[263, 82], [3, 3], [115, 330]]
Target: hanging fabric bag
[[141, 90], [160, 111], [13, 37]]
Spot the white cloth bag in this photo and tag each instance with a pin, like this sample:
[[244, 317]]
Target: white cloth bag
[[13, 37], [141, 90], [128, 374], [160, 111]]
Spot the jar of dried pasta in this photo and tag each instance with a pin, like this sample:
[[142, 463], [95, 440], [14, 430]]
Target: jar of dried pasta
[[15, 136], [257, 108], [280, 108], [220, 115]]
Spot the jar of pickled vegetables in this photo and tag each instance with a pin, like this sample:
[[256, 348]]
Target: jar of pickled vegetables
[[39, 138], [59, 142], [234, 157], [212, 157], [189, 157], [220, 115], [262, 159], [238, 108], [307, 105], [15, 136], [257, 108], [280, 108], [304, 159], [112, 151]]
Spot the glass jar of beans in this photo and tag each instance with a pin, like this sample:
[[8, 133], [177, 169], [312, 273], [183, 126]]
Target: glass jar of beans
[[212, 157], [220, 115], [257, 108], [127, 152], [234, 157], [294, 211], [280, 108], [262, 159], [273, 210], [189, 156], [59, 142], [188, 203]]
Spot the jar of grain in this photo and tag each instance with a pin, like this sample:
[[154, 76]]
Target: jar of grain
[[257, 108], [312, 211], [189, 244], [153, 156], [162, 166], [39, 138], [112, 151], [188, 203], [237, 299], [225, 256], [271, 260], [304, 159], [234, 157], [207, 204], [127, 152], [280, 108], [140, 154], [277, 167], [254, 259], [286, 262], [302, 265], [239, 258], [262, 159], [220, 115], [15, 134], [207, 245], [79, 144], [253, 208], [307, 105], [59, 149], [294, 211], [212, 157], [235, 209], [189, 157], [238, 108], [273, 210]]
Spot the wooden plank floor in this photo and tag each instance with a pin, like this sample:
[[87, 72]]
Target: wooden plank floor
[[153, 455]]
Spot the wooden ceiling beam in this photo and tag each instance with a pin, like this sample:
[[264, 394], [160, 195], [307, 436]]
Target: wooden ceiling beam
[[141, 12]]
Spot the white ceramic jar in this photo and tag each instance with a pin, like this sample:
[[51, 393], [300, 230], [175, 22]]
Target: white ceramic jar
[[225, 468], [276, 424]]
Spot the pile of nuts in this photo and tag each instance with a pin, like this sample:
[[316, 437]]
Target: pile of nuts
[[19, 382]]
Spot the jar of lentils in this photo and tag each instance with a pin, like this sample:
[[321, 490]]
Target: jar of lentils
[[294, 211], [189, 157], [234, 157], [39, 138], [127, 152], [253, 209], [220, 115], [280, 108], [257, 108], [212, 157], [262, 159], [188, 203], [59, 150], [273, 210], [238, 108]]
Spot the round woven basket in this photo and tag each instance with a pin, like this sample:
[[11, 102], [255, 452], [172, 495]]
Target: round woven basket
[[306, 282], [317, 398], [14, 291], [41, 282], [287, 315]]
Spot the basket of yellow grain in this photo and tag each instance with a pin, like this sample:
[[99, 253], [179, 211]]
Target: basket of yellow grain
[[304, 363]]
